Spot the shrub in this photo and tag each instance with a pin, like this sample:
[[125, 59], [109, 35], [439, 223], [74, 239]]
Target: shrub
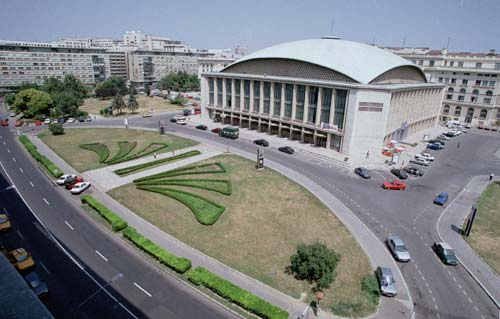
[[369, 285], [117, 223], [56, 129], [206, 211], [31, 148], [221, 186], [134, 168], [100, 149], [179, 264], [190, 170], [235, 294]]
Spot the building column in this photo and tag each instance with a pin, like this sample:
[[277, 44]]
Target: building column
[[224, 100], [215, 92], [251, 100], [294, 102], [317, 121], [242, 97], [271, 99], [261, 100], [332, 107], [233, 96], [282, 107], [306, 103]]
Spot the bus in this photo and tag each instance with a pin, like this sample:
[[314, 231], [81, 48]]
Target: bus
[[230, 132]]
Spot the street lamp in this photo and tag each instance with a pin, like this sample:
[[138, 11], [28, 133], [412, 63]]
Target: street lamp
[[115, 278]]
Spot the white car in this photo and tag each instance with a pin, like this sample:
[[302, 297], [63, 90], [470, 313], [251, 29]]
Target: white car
[[54, 121], [147, 114], [47, 121], [63, 178], [425, 156], [71, 120], [181, 121], [179, 117], [80, 187], [420, 161]]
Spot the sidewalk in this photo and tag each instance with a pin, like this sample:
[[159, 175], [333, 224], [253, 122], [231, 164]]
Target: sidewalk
[[451, 220], [378, 255]]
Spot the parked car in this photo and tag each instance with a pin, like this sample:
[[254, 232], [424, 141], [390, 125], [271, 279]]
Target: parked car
[[468, 125], [395, 184], [147, 114], [261, 142], [38, 123], [5, 222], [202, 127], [399, 173], [425, 156], [88, 119], [286, 149], [12, 114], [445, 253], [81, 119], [419, 161], [60, 181], [434, 146], [414, 171], [441, 198], [216, 130], [36, 284], [21, 259], [47, 121], [173, 120], [71, 120], [18, 123], [386, 281], [70, 182], [437, 140], [54, 121], [494, 129], [186, 112], [5, 123], [398, 248], [363, 172], [197, 111], [443, 137], [78, 188]]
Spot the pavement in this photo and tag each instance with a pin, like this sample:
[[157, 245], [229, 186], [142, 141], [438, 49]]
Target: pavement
[[377, 254], [449, 226]]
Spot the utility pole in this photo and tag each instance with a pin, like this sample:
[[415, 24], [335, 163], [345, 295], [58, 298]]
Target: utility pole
[[404, 41], [331, 27]]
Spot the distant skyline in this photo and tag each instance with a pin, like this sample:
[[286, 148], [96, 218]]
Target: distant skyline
[[469, 25]]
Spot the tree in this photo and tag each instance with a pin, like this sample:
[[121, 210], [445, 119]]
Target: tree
[[56, 129], [315, 263], [104, 92], [147, 89], [116, 83], [32, 102], [28, 85], [66, 103], [52, 85], [180, 82], [118, 103], [74, 86], [132, 101], [10, 98]]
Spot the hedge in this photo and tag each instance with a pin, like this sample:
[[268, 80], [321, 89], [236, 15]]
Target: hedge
[[117, 223], [130, 169], [235, 294], [143, 152], [179, 264], [207, 184], [206, 211], [124, 148], [99, 148], [190, 170], [31, 148]]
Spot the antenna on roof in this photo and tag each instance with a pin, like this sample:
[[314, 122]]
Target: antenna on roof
[[404, 41], [331, 26], [448, 44], [373, 41]]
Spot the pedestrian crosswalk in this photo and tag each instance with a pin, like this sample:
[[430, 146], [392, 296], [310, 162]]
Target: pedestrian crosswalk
[[324, 161]]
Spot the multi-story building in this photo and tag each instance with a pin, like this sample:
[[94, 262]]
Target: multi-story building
[[213, 64], [472, 82], [22, 62], [341, 95], [118, 64]]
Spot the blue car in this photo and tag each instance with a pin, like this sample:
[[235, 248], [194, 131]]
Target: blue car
[[441, 199], [434, 146]]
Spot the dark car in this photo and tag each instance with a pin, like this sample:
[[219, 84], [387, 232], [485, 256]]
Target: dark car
[[60, 120], [445, 253], [437, 140], [81, 119], [414, 171], [399, 173], [36, 284], [441, 198], [202, 127], [173, 120], [286, 149], [261, 142], [434, 146], [70, 182], [363, 172]]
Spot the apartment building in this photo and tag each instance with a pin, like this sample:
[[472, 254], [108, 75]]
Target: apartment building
[[118, 64], [472, 82], [213, 64]]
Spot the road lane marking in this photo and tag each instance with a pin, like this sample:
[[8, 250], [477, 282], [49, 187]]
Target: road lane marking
[[477, 309], [465, 292], [43, 266], [430, 293], [68, 224], [436, 307], [434, 299], [14, 159], [470, 300], [8, 151], [460, 286], [22, 171], [32, 185], [143, 290], [454, 279], [101, 255], [438, 315], [46, 201], [20, 235], [449, 272]]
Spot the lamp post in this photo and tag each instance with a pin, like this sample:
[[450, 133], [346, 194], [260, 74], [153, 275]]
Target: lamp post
[[115, 278]]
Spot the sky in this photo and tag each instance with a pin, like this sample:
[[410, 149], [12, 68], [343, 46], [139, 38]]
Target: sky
[[463, 25]]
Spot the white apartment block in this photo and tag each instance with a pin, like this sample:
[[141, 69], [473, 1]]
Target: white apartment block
[[213, 64], [472, 82]]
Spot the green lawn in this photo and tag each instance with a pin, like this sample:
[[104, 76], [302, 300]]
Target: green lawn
[[67, 145], [266, 217], [485, 235]]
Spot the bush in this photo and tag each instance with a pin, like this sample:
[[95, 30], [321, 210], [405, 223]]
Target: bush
[[190, 170], [134, 168], [31, 148], [56, 129], [369, 285], [221, 186], [179, 264], [117, 223], [235, 294]]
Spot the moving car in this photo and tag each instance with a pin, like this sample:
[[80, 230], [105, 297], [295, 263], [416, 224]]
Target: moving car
[[147, 114], [79, 187], [5, 123], [386, 281], [363, 172], [398, 249], [261, 142], [202, 127], [395, 184], [441, 198], [36, 284], [414, 171], [173, 120], [399, 173], [70, 182], [286, 149], [425, 156], [230, 132], [4, 222], [47, 121], [216, 130], [186, 112], [445, 253], [419, 161], [21, 259], [71, 120], [60, 181]]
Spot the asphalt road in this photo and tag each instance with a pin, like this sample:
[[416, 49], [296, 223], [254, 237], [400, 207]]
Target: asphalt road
[[144, 290], [439, 291]]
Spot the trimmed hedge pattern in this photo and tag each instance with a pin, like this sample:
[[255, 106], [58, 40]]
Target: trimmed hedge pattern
[[31, 148], [117, 223], [235, 294], [179, 264], [128, 170], [221, 186], [99, 148], [206, 211], [124, 148], [209, 168], [147, 150]]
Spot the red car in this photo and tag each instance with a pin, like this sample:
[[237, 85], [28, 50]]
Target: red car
[[395, 184], [70, 182], [38, 123], [5, 123], [18, 123], [216, 130]]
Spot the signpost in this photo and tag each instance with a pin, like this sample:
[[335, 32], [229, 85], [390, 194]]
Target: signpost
[[260, 159], [162, 127]]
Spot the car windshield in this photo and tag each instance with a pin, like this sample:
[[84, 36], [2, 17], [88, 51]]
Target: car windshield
[[400, 247], [3, 219], [449, 252], [21, 258]]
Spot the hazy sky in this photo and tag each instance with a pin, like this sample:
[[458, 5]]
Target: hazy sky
[[471, 25]]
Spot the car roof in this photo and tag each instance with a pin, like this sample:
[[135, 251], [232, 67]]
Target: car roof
[[444, 245], [396, 240]]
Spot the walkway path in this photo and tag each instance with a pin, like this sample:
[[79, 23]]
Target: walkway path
[[449, 224]]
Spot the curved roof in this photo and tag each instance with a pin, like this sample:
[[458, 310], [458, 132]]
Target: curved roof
[[359, 61]]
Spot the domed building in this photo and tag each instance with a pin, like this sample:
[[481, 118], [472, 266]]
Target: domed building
[[341, 95]]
